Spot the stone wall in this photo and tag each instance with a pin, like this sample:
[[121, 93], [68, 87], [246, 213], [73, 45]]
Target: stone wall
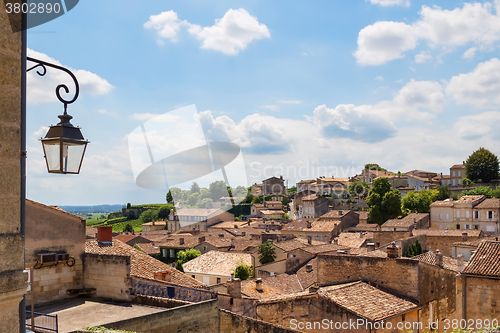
[[200, 317], [381, 238], [108, 274], [13, 281], [481, 298], [387, 273], [242, 306], [444, 243], [233, 323]]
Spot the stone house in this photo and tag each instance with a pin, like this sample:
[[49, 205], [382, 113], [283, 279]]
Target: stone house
[[131, 239], [215, 267], [408, 223], [368, 176], [197, 218], [112, 267], [457, 174], [153, 226], [481, 283], [273, 185], [268, 210], [55, 244], [443, 240], [467, 248], [257, 190], [347, 218], [175, 243], [303, 185], [312, 206], [312, 229], [469, 212]]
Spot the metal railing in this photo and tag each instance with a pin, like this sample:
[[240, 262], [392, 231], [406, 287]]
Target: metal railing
[[43, 323], [178, 293]]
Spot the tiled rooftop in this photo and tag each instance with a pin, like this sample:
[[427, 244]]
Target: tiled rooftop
[[485, 261], [162, 223], [217, 263], [406, 221], [493, 203], [366, 301], [54, 208], [334, 214], [324, 248], [430, 258], [272, 286], [141, 264], [149, 248], [374, 254], [470, 198], [442, 203], [458, 166], [308, 278], [448, 233], [198, 211], [290, 245]]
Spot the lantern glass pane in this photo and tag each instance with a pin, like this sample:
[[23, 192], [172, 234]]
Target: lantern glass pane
[[72, 156], [52, 155]]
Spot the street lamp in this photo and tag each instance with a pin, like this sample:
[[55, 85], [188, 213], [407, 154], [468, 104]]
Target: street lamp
[[63, 145]]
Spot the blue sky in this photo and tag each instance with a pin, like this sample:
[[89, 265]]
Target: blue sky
[[304, 88]]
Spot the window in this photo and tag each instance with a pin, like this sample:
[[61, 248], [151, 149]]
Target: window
[[193, 276], [459, 173], [164, 252], [467, 226], [490, 214], [447, 216], [453, 181], [440, 216], [459, 180], [476, 226], [467, 214], [476, 214], [172, 253], [204, 249], [453, 173], [458, 213], [440, 226], [458, 226], [218, 280]]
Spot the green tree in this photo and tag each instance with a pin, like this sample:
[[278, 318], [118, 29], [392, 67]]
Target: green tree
[[383, 203], [128, 228], [242, 271], [467, 181], [187, 255], [374, 166], [193, 199], [496, 193], [419, 201], [267, 253], [240, 191], [480, 190], [178, 266], [414, 249], [291, 190], [206, 203], [482, 165], [443, 193], [129, 205], [205, 193], [217, 190], [195, 188], [229, 191], [149, 215], [256, 200], [358, 188], [164, 212]]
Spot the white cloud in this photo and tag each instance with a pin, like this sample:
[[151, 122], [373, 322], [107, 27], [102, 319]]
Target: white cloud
[[229, 35], [163, 118], [41, 88], [422, 57], [232, 33], [384, 41], [290, 102], [108, 113], [274, 108], [479, 126], [473, 23], [167, 24], [379, 78], [387, 3], [481, 87], [470, 53]]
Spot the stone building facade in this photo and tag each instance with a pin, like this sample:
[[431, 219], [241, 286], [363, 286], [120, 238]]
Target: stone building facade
[[13, 281]]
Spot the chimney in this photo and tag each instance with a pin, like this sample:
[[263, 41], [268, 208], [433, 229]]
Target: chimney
[[234, 287], [370, 247], [105, 234], [258, 285], [181, 241], [154, 223], [281, 177], [309, 268], [163, 276], [464, 237], [340, 212], [309, 225], [392, 251], [336, 241], [414, 223], [309, 240], [243, 233], [460, 262], [235, 226], [201, 239], [232, 243], [439, 258]]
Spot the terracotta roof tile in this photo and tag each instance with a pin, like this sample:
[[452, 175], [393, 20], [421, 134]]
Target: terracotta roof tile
[[324, 248], [493, 203], [306, 277], [217, 263], [442, 203], [375, 254], [470, 198], [366, 301], [334, 214], [406, 221], [447, 233], [290, 245], [149, 248], [485, 261], [430, 258], [272, 286], [141, 264], [458, 166]]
